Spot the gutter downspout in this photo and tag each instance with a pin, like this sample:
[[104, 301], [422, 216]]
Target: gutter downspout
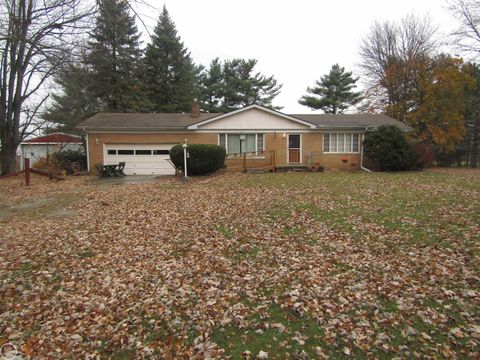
[[361, 154]]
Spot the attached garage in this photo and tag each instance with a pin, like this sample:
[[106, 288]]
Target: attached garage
[[140, 159]]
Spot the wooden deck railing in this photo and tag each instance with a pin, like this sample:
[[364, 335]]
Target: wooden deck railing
[[252, 160]]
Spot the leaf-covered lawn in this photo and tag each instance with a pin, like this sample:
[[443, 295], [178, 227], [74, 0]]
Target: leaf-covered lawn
[[271, 266]]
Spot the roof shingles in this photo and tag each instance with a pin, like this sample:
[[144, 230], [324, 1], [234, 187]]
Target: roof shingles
[[143, 120], [366, 120], [55, 138], [176, 121]]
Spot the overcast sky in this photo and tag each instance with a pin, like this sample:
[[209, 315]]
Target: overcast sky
[[296, 41]]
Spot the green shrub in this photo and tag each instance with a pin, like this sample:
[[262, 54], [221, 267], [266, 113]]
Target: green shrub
[[388, 147], [203, 158]]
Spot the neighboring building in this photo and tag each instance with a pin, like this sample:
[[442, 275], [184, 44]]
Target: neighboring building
[[44, 146], [143, 140]]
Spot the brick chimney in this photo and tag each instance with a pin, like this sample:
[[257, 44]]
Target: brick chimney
[[195, 108]]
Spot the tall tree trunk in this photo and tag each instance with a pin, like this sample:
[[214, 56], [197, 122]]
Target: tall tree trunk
[[8, 159]]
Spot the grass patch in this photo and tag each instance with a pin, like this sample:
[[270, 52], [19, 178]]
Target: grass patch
[[286, 335], [342, 267], [25, 268], [292, 230], [124, 354], [423, 214], [246, 252], [85, 254], [228, 232]]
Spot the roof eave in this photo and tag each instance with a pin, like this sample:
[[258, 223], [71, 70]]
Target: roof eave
[[131, 129], [50, 142]]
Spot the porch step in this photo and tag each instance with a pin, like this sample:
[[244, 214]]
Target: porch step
[[292, 168], [258, 171]]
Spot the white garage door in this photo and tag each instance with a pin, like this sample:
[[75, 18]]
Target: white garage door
[[141, 159]]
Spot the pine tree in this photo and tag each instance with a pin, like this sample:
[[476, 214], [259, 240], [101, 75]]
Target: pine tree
[[75, 102], [233, 84], [114, 57], [333, 93], [169, 72], [212, 86]]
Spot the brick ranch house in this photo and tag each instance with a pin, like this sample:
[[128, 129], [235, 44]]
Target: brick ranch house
[[143, 140]]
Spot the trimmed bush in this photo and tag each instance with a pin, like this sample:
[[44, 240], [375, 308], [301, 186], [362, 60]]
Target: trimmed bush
[[388, 147], [203, 158]]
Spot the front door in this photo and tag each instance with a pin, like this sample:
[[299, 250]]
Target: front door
[[294, 148]]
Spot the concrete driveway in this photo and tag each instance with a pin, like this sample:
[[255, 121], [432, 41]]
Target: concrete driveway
[[129, 179]]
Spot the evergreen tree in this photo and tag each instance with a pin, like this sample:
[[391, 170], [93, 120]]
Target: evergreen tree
[[114, 57], [333, 93], [75, 102], [233, 85], [170, 74], [211, 87]]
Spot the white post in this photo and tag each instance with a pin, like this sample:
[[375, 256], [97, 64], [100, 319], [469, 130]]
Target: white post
[[185, 160]]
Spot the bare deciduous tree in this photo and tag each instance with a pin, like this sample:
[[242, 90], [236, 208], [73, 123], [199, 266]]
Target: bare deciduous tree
[[36, 37], [467, 36], [390, 54]]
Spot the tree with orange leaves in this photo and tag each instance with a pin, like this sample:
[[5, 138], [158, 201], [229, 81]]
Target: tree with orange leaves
[[438, 102]]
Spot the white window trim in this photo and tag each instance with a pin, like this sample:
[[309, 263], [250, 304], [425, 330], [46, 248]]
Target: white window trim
[[341, 152]]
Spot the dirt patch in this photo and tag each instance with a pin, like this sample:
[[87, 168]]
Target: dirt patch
[[49, 207]]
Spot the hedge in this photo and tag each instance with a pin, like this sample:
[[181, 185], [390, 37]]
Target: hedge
[[203, 158]]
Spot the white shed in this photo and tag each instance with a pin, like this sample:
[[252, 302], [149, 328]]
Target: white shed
[[43, 146]]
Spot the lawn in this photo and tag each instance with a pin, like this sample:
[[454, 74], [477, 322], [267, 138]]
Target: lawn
[[296, 265]]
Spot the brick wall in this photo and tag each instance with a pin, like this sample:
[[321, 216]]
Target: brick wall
[[312, 147]]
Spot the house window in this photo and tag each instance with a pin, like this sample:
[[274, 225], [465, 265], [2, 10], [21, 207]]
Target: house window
[[326, 142], [348, 143], [355, 142], [341, 143], [112, 152], [260, 143], [241, 143], [222, 141]]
